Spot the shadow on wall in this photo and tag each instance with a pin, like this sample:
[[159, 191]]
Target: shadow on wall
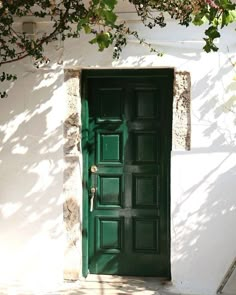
[[216, 111], [204, 223], [31, 174], [204, 214], [31, 167]]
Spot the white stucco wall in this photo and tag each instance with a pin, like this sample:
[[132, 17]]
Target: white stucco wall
[[203, 208], [31, 167]]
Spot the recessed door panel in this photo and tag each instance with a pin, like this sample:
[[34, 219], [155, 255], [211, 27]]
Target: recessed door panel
[[109, 147], [109, 234], [145, 191], [146, 103], [110, 193], [110, 104], [145, 235], [145, 147]]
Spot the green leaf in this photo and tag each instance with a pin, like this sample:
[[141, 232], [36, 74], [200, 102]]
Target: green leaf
[[87, 29], [210, 46], [110, 17], [103, 39], [232, 15], [198, 20], [95, 2], [93, 41], [227, 5], [212, 32], [228, 17], [82, 22], [110, 3], [212, 14]]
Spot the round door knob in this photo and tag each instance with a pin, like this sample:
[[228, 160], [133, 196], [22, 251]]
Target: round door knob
[[94, 169], [93, 190]]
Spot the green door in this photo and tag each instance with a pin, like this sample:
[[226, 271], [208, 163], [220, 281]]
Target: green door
[[126, 147]]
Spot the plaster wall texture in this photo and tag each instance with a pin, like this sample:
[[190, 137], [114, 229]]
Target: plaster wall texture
[[203, 210]]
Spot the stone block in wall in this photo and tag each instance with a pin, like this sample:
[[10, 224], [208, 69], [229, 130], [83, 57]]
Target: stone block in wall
[[72, 134], [72, 182], [181, 127], [72, 121]]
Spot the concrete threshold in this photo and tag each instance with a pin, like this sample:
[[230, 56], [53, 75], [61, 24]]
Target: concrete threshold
[[105, 284]]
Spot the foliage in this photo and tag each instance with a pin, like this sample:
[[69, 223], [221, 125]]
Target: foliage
[[217, 14], [99, 19]]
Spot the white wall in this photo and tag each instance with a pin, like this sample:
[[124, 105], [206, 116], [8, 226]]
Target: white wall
[[203, 208], [31, 166]]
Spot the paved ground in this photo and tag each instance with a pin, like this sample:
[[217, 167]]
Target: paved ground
[[97, 285]]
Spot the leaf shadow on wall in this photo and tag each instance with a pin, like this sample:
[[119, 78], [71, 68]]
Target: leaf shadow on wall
[[203, 215], [31, 176]]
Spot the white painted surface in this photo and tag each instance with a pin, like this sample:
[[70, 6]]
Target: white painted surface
[[230, 287], [31, 165], [203, 208]]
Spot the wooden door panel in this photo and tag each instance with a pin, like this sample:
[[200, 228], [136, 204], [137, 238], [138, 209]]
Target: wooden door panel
[[109, 191], [128, 228], [109, 147], [109, 232], [145, 235], [145, 191]]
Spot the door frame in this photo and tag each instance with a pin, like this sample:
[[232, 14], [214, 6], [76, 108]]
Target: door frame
[[116, 73]]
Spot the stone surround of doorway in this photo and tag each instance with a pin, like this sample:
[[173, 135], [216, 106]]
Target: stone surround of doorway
[[72, 184]]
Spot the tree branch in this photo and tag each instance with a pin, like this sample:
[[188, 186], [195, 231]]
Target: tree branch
[[62, 22]]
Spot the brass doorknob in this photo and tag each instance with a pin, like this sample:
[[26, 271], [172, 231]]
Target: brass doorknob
[[94, 168]]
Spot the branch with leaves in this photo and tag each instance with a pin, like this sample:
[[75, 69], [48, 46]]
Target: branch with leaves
[[99, 19], [216, 13]]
